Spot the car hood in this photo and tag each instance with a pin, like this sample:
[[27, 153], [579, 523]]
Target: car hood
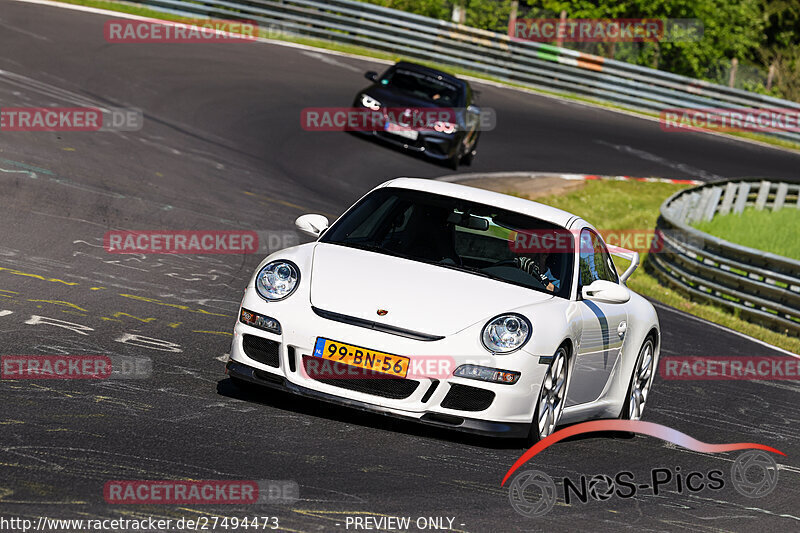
[[420, 297], [389, 97]]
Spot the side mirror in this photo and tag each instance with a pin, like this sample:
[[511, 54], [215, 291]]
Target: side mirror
[[312, 225], [475, 110], [606, 292], [371, 75]]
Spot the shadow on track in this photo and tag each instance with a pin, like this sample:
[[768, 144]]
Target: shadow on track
[[348, 415]]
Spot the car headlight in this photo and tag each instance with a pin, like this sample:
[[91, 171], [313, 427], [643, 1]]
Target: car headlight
[[444, 127], [506, 333], [369, 102], [277, 280]]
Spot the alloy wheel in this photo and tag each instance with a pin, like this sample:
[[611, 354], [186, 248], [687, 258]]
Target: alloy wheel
[[553, 394], [642, 381]]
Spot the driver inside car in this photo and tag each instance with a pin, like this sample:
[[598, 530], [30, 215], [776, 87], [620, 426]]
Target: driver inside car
[[537, 266]]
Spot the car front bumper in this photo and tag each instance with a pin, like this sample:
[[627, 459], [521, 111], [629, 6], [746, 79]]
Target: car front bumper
[[435, 146], [468, 425], [437, 398]]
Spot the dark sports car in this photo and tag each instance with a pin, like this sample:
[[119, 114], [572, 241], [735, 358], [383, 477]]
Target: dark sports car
[[412, 89]]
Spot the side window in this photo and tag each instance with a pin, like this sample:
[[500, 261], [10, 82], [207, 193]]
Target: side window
[[595, 261]]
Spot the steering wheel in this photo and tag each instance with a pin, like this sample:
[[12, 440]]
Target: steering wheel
[[512, 263]]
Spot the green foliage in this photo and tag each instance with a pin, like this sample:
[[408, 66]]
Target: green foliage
[[758, 33], [440, 9]]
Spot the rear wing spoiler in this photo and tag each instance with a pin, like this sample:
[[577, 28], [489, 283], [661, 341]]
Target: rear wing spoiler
[[630, 255]]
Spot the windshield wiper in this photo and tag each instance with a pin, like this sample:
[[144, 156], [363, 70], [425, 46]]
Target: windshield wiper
[[371, 247], [464, 269]]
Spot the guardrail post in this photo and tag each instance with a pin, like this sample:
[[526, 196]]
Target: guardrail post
[[763, 194], [780, 196], [713, 201], [727, 200], [741, 199]]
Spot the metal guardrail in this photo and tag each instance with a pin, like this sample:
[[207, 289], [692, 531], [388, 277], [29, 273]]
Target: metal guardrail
[[764, 288], [523, 62]]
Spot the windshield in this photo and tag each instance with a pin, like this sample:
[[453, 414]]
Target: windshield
[[453, 233], [422, 86]]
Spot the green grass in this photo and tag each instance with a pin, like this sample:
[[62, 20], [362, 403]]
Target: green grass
[[776, 232], [377, 54], [618, 205]]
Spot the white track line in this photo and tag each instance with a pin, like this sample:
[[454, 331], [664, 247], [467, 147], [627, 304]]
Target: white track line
[[729, 330], [571, 177]]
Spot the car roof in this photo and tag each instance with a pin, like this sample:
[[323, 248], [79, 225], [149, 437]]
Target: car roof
[[431, 71], [482, 196]]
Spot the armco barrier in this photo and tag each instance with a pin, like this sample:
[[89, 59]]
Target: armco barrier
[[763, 287], [523, 62]]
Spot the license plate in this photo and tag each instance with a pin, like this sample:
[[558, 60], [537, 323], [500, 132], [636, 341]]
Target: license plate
[[401, 131], [394, 365]]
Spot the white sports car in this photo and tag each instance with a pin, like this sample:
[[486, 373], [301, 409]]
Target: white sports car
[[419, 302]]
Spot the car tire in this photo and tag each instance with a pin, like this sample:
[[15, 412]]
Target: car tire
[[552, 396], [469, 157], [452, 162], [641, 381]]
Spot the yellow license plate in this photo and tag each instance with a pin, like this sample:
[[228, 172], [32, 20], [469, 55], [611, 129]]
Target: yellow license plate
[[347, 354]]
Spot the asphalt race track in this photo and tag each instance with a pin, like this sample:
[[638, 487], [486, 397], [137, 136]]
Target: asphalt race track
[[222, 148]]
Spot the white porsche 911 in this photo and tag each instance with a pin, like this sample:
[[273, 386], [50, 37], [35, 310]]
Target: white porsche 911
[[418, 302]]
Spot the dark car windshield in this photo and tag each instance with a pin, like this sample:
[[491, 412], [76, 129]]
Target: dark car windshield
[[453, 233], [422, 86]]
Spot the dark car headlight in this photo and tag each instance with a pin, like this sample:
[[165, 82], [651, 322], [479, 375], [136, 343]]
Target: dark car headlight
[[506, 333], [277, 280], [370, 102]]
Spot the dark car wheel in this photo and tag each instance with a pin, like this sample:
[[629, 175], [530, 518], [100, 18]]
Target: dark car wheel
[[452, 162], [469, 157]]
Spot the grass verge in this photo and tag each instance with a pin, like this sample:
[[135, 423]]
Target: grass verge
[[620, 205], [775, 232], [135, 9]]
